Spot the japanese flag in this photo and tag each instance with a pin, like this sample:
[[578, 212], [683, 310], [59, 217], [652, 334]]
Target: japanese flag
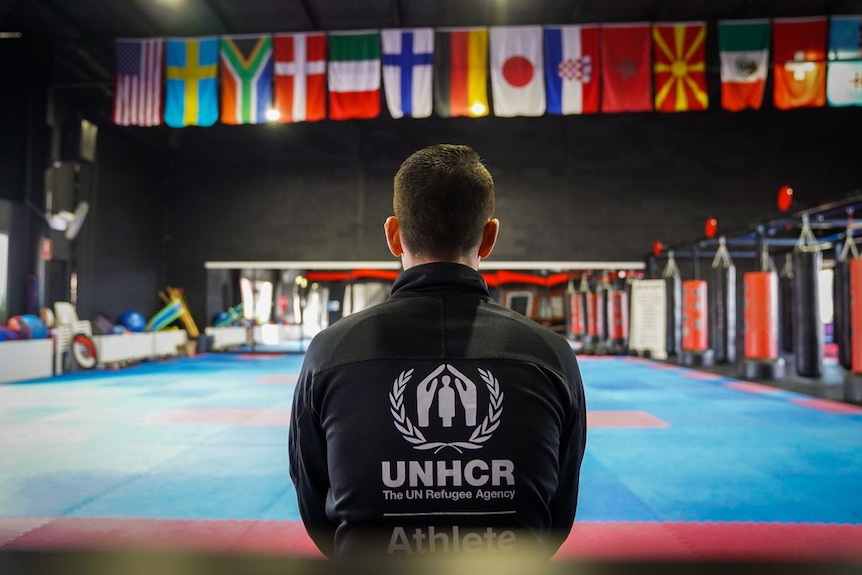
[[517, 82]]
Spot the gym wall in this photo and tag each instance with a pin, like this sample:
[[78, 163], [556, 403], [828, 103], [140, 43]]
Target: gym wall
[[120, 250], [600, 187]]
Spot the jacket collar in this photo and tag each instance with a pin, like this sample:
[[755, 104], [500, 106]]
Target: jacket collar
[[440, 279]]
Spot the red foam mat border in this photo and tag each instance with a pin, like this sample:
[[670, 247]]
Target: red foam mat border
[[590, 540]]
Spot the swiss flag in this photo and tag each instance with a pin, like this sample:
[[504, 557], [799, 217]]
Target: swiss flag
[[300, 77], [799, 63], [626, 74], [517, 69]]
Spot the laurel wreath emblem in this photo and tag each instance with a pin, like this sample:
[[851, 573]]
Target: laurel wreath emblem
[[414, 435]]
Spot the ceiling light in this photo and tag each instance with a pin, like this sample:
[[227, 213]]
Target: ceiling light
[[273, 115]]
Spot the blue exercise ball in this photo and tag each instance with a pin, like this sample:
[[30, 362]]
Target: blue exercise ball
[[28, 326], [132, 320]]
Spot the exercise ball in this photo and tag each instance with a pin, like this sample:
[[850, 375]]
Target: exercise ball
[[28, 326], [132, 320]]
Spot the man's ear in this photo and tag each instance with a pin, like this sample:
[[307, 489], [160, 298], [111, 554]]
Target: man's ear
[[393, 236], [489, 237]]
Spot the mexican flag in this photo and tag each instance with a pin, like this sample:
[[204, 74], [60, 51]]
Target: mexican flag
[[844, 74], [744, 53], [354, 75]]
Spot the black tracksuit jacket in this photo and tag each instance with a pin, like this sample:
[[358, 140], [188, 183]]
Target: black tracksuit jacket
[[437, 421]]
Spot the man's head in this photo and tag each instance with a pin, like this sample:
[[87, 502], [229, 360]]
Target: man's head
[[443, 201]]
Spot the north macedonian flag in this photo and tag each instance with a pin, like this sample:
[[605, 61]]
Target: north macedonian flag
[[191, 92], [461, 72], [246, 67], [680, 66]]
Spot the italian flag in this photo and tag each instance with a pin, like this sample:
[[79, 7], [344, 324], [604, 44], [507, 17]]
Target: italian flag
[[744, 52], [353, 75]]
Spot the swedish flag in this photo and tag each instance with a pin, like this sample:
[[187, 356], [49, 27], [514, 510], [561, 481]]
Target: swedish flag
[[191, 91]]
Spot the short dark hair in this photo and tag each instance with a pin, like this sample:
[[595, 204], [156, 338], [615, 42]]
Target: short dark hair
[[443, 198]]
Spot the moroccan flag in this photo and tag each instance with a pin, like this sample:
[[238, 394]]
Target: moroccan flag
[[844, 75], [191, 93], [680, 67], [572, 69], [407, 61], [138, 83], [799, 62], [354, 75], [300, 77], [246, 68], [744, 50], [460, 72], [517, 83], [626, 68]]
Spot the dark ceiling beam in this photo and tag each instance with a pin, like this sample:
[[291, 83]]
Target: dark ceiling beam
[[75, 40], [5, 6], [309, 15], [575, 9], [219, 15], [151, 28], [397, 13]]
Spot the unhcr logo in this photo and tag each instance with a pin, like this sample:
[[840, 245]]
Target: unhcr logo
[[437, 400]]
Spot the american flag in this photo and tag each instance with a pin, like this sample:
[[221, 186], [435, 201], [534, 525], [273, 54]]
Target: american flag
[[138, 90]]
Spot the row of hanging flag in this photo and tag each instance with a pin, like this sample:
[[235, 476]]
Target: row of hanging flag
[[533, 70]]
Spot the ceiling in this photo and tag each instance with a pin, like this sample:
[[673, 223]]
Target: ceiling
[[82, 31]]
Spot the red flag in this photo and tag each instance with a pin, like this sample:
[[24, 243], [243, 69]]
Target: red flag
[[626, 68], [799, 62], [680, 66], [300, 77]]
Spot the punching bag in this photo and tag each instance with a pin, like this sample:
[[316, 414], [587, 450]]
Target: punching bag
[[577, 329], [588, 303], [601, 294], [841, 306], [673, 288], [618, 320], [723, 308], [760, 312], [785, 305], [808, 327]]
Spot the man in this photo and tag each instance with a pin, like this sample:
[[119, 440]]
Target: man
[[438, 421]]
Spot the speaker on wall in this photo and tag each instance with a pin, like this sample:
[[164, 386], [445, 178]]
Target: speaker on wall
[[78, 141]]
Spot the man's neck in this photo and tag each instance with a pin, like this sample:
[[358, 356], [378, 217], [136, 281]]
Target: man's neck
[[409, 260]]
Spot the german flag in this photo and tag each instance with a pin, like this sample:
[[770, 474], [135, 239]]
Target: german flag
[[461, 72], [679, 65]]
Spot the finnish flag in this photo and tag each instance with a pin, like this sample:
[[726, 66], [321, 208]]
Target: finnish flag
[[407, 71]]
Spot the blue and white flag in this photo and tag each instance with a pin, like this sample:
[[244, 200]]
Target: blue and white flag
[[407, 77], [844, 76]]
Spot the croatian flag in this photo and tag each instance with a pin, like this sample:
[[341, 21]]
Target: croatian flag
[[572, 69], [407, 64]]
